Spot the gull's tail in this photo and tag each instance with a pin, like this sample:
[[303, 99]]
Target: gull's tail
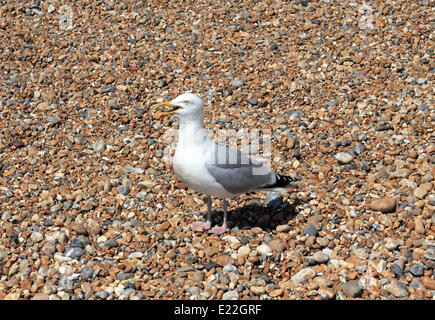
[[282, 184]]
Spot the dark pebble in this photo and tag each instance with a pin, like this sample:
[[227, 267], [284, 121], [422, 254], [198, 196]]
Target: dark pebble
[[123, 276], [274, 203], [253, 101], [210, 265], [110, 243], [76, 243], [113, 105], [244, 240], [310, 230], [108, 89], [397, 270], [417, 270], [86, 272], [73, 252], [124, 190], [297, 154]]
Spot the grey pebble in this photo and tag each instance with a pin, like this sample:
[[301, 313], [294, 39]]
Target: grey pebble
[[98, 146], [86, 273], [252, 101], [383, 126], [124, 190], [55, 208], [320, 257], [430, 253], [417, 270], [108, 89], [123, 276], [73, 252], [352, 288], [237, 83], [230, 268], [102, 294], [397, 289], [110, 243], [310, 230], [230, 295], [52, 120]]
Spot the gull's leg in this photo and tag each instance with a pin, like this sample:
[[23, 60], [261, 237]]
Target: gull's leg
[[220, 230], [204, 225]]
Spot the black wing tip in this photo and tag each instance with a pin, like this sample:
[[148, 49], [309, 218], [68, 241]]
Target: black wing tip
[[281, 181]]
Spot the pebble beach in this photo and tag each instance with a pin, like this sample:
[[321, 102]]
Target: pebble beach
[[90, 207]]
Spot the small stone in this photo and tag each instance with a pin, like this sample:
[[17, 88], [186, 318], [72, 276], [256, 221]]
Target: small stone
[[310, 230], [54, 209], [397, 289], [237, 83], [123, 276], [383, 205], [257, 290], [420, 192], [418, 225], [52, 120], [79, 228], [135, 255], [391, 244], [141, 195], [109, 88], [283, 228], [264, 249], [86, 273], [320, 257], [252, 101], [48, 248], [384, 125], [98, 146], [230, 295], [430, 253], [417, 270], [352, 289], [428, 283], [277, 245], [40, 296], [36, 236], [73, 252], [244, 251], [113, 105], [344, 158], [102, 294], [223, 260], [111, 243], [124, 190], [230, 268], [276, 293], [303, 275]]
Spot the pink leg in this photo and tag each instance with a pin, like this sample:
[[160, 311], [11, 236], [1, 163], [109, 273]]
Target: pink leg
[[204, 225], [220, 230]]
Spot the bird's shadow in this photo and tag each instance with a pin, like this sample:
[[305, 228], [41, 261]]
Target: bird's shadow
[[267, 217]]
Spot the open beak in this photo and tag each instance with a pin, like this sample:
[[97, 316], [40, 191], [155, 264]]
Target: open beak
[[169, 109]]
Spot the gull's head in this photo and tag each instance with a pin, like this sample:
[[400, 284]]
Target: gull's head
[[187, 106]]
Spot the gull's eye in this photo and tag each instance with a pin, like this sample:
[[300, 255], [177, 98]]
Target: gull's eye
[[186, 102]]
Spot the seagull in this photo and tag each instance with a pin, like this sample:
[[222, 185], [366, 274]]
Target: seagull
[[210, 168]]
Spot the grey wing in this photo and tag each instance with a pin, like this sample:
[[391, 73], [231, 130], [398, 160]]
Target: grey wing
[[236, 172]]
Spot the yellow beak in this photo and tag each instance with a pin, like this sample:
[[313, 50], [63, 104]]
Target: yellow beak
[[171, 108]]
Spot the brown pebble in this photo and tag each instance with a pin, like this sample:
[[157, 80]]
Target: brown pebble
[[419, 226], [383, 205], [40, 296]]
